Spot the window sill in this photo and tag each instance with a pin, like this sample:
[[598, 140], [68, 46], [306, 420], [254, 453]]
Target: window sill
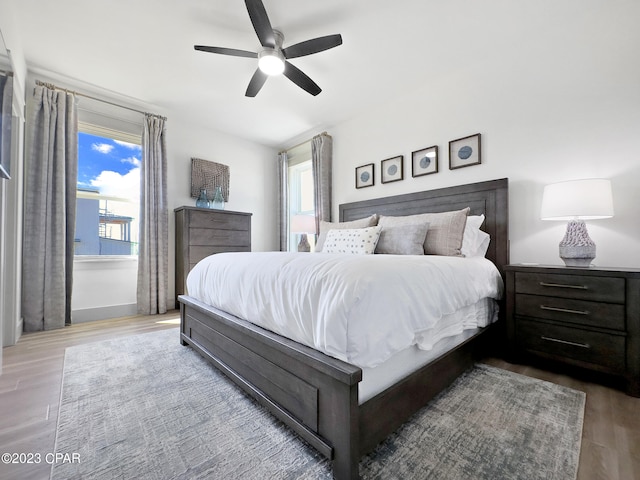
[[104, 258]]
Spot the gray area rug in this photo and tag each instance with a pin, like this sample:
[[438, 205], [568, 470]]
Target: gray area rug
[[145, 407]]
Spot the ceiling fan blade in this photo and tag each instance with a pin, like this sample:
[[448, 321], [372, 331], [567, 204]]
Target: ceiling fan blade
[[261, 23], [226, 51], [312, 46], [256, 83], [301, 79]]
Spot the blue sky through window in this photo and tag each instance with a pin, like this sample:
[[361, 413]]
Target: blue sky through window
[[111, 166]]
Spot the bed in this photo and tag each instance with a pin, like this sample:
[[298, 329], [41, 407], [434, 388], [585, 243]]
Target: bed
[[318, 396]]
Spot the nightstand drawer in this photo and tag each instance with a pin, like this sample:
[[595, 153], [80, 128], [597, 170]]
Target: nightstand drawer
[[580, 312], [584, 287], [573, 344]]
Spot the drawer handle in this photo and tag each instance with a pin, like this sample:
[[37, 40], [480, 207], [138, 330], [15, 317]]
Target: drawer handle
[[565, 342], [560, 285], [564, 310]]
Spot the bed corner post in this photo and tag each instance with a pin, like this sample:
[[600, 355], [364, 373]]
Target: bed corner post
[[346, 440], [182, 324]]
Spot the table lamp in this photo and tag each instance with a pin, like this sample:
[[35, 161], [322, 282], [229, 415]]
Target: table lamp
[[577, 201], [303, 224]]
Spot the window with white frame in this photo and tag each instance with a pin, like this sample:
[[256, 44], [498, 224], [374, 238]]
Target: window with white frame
[[301, 192], [108, 192]]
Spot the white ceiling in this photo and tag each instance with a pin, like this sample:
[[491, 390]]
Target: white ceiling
[[144, 49]]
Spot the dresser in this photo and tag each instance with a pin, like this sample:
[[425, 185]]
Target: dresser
[[201, 232], [585, 317]]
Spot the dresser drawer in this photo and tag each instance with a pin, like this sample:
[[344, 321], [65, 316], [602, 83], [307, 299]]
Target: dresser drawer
[[583, 287], [218, 238], [594, 348], [580, 312], [219, 220]]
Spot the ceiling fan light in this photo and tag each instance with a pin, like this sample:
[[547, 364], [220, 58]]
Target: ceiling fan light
[[271, 61]]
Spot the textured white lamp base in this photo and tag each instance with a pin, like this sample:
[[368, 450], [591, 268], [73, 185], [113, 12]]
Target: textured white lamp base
[[304, 246], [576, 248]]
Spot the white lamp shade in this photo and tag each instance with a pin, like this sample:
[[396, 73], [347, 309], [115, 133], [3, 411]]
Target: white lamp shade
[[303, 224], [586, 199]]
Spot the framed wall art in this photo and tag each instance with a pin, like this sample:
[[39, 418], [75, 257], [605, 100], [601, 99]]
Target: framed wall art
[[464, 152], [209, 175], [392, 169], [424, 162], [365, 176]]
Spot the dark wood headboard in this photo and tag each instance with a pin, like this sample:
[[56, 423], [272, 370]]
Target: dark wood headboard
[[490, 198]]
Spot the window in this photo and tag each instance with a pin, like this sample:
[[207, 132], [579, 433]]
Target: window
[[301, 190], [108, 192]]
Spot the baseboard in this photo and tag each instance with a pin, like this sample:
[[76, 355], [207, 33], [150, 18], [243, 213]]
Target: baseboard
[[103, 313], [19, 330]]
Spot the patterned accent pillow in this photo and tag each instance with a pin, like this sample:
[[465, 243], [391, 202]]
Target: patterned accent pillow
[[326, 226], [403, 239], [352, 240], [446, 229]]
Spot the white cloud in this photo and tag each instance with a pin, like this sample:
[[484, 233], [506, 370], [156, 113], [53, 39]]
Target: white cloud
[[132, 146], [102, 147], [132, 160], [117, 185]]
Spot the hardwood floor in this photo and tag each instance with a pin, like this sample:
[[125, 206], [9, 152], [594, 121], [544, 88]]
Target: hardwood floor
[[32, 376]]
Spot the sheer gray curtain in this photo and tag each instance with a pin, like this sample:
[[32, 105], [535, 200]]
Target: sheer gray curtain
[[153, 249], [50, 175], [283, 200], [321, 160]]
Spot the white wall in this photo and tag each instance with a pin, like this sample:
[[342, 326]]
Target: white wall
[[252, 180], [104, 288], [565, 105]]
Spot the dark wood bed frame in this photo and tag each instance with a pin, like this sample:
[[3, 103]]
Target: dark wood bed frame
[[317, 395]]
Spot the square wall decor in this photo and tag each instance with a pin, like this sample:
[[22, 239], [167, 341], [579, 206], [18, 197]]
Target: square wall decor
[[392, 169], [464, 152], [364, 176], [424, 162]]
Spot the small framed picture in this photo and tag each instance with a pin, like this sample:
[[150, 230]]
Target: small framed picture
[[424, 162], [464, 152], [364, 176], [392, 169]]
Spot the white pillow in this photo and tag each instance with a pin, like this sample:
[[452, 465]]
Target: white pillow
[[352, 240], [475, 242]]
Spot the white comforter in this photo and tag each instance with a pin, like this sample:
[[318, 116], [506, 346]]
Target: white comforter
[[357, 308]]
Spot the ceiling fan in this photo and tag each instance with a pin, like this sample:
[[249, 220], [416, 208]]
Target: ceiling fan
[[272, 58]]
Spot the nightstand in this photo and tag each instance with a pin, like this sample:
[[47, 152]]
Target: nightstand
[[585, 317]]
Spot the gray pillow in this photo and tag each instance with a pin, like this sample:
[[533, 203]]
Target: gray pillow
[[326, 226], [403, 239], [445, 233]]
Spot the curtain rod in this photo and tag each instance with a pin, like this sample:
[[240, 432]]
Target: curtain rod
[[302, 143], [79, 94]]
